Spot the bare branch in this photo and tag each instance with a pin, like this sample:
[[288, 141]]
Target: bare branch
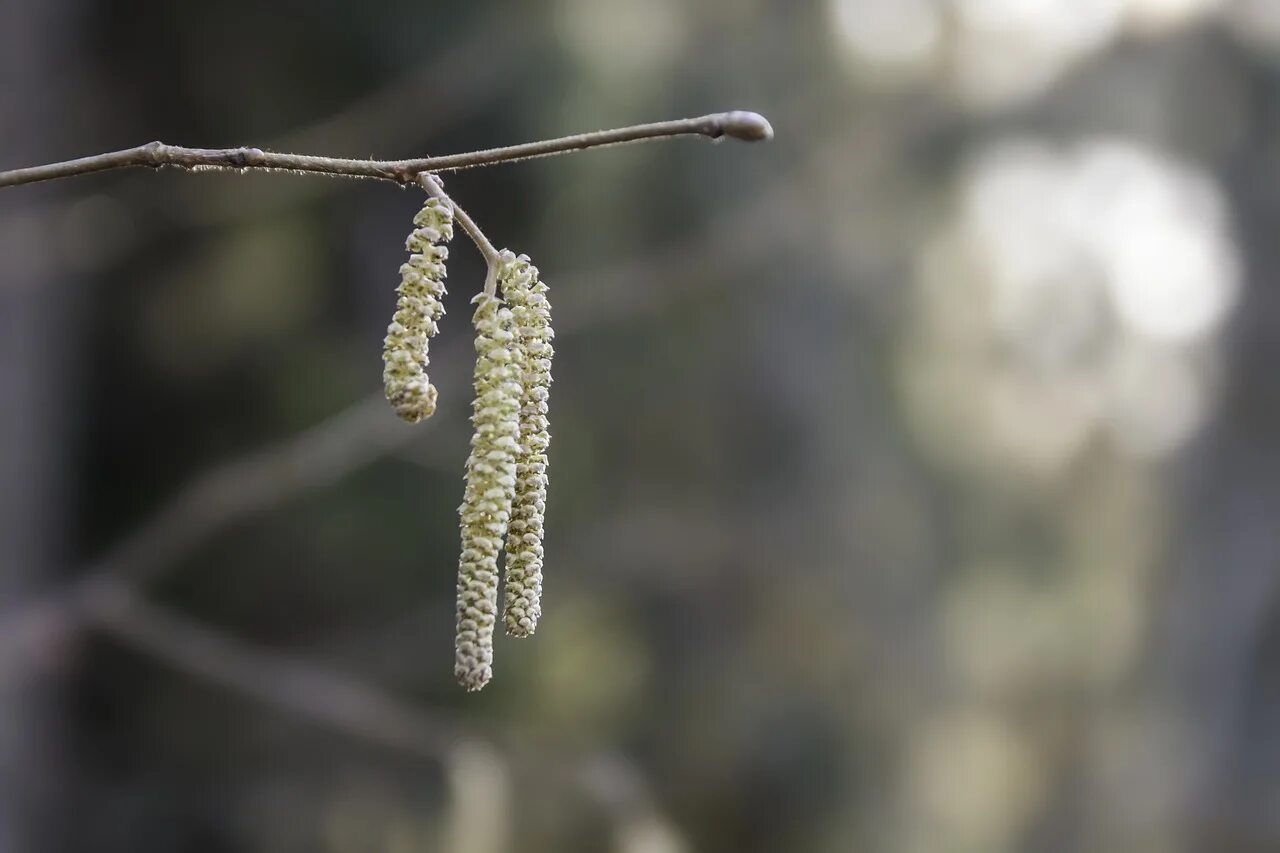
[[747, 126]]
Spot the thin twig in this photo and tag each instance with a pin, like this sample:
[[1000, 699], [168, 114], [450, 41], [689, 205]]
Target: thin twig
[[435, 188], [743, 125], [739, 124]]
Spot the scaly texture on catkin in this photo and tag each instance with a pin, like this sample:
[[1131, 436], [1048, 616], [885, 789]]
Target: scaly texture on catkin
[[418, 310], [527, 297], [486, 505]]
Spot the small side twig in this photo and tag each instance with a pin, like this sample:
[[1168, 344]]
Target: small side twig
[[435, 188], [739, 124]]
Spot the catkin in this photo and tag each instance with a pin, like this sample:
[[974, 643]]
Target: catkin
[[418, 310], [527, 297], [486, 507]]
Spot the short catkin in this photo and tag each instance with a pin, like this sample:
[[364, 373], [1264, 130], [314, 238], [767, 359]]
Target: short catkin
[[418, 310], [527, 297], [490, 481]]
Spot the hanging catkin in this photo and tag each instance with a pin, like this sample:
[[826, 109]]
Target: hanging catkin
[[418, 310], [527, 297], [486, 506]]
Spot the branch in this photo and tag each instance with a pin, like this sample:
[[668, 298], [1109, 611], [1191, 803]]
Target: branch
[[747, 126]]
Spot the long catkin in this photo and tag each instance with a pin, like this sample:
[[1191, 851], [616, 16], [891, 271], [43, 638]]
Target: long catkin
[[526, 294], [490, 479]]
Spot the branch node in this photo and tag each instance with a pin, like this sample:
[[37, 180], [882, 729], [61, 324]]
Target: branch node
[[406, 175], [154, 153], [249, 157]]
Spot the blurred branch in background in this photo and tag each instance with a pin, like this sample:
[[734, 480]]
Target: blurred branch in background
[[316, 457], [288, 684], [378, 120], [478, 772], [323, 454], [428, 98]]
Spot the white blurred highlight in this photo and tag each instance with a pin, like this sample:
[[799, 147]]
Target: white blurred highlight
[[479, 816], [1103, 275], [889, 35], [623, 36], [1155, 231], [997, 53], [1256, 23], [1159, 16], [975, 779], [1009, 50]]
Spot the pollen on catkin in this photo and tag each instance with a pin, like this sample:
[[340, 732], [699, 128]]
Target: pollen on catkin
[[486, 506], [527, 297], [418, 310]]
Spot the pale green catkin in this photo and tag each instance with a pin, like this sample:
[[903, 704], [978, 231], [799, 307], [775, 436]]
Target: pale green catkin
[[418, 310], [491, 472], [527, 297]]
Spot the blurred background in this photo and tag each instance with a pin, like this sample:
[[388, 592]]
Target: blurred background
[[914, 479]]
